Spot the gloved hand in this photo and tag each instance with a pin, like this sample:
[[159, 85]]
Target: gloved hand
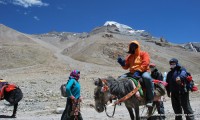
[[121, 61], [72, 97], [178, 80], [137, 74]]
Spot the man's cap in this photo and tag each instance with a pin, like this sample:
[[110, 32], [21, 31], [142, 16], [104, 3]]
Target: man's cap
[[173, 60]]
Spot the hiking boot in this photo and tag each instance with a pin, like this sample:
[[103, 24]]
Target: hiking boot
[[149, 104]]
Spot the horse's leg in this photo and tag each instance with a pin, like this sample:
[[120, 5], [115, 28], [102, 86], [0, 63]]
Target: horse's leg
[[137, 112], [15, 110], [151, 111], [130, 110]]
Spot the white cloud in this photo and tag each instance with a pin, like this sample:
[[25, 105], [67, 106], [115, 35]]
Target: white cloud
[[2, 2], [36, 18], [29, 3], [25, 3]]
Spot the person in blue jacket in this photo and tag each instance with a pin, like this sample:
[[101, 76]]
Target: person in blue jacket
[[178, 93], [73, 97]]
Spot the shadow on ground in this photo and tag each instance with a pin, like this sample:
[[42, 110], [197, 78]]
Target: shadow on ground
[[152, 118], [6, 116]]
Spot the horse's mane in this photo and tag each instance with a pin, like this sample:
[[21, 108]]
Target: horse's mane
[[120, 86]]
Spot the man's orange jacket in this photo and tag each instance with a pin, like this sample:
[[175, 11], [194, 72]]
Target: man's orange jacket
[[138, 61]]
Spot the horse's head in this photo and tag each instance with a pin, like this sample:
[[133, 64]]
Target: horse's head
[[101, 94]]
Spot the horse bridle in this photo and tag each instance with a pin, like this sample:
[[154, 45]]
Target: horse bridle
[[104, 89], [105, 86]]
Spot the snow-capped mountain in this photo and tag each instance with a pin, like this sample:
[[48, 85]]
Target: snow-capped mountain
[[117, 28], [118, 25], [192, 46], [124, 29], [112, 29]]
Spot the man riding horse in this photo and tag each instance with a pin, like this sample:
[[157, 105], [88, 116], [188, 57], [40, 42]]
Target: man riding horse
[[138, 64]]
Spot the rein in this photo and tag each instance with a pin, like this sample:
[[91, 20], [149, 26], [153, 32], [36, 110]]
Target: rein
[[107, 112], [128, 95], [106, 88]]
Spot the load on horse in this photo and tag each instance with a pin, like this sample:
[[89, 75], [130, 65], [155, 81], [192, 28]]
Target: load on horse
[[11, 93], [126, 90]]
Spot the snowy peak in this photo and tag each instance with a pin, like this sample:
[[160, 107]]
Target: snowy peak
[[192, 46], [118, 25], [127, 30]]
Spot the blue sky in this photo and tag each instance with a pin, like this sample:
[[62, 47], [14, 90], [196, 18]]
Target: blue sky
[[176, 20]]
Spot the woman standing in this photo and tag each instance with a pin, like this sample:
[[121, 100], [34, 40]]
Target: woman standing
[[72, 109]]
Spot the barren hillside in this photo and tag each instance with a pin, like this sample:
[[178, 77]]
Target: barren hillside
[[18, 50], [102, 49]]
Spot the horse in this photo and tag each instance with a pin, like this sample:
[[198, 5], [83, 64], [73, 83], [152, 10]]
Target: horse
[[124, 89], [13, 95]]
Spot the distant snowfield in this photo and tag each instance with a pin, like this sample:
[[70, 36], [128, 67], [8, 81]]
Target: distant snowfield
[[118, 25], [123, 27]]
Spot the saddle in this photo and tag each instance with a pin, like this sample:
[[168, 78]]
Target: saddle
[[10, 87], [159, 86], [6, 88], [136, 82]]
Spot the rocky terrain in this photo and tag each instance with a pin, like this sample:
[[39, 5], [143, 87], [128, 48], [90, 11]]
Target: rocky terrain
[[192, 46], [39, 64]]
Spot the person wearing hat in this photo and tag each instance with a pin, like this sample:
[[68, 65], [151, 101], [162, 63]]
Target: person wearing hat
[[155, 74], [179, 95], [73, 97], [138, 64]]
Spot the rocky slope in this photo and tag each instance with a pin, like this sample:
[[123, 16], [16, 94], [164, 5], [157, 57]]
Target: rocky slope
[[103, 44], [192, 46]]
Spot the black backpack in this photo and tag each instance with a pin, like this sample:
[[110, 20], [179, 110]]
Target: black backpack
[[63, 89]]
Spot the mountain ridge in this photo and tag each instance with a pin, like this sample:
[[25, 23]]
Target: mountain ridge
[[102, 47]]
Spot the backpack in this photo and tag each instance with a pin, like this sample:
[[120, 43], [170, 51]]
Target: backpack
[[63, 89], [189, 83]]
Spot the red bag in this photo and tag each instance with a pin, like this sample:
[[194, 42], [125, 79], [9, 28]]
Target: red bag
[[189, 78], [10, 87], [194, 88]]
